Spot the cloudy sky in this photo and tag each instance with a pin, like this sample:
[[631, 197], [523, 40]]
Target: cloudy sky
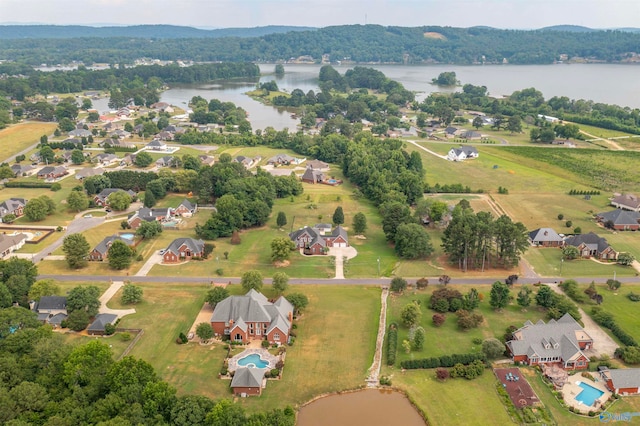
[[526, 14]]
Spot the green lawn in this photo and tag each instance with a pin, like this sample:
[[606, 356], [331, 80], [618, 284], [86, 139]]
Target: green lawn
[[326, 357], [455, 401], [547, 263]]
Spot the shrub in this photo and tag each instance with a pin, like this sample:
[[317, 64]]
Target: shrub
[[224, 370], [560, 216], [568, 224], [605, 319], [398, 285], [442, 374], [476, 341], [443, 361], [385, 381], [109, 329], [422, 283], [438, 319], [570, 287], [392, 344], [55, 187], [235, 238], [633, 297], [448, 294], [182, 338], [265, 344], [220, 272], [468, 320], [125, 337], [442, 305], [275, 373]]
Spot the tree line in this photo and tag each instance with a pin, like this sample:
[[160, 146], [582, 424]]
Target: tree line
[[393, 44]]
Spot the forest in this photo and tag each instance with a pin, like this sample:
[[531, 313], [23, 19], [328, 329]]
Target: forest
[[357, 43]]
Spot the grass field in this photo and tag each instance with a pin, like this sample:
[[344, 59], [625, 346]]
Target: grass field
[[456, 401], [326, 357], [18, 137], [546, 262]]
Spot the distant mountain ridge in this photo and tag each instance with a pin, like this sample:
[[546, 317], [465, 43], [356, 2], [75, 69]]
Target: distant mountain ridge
[[138, 31]]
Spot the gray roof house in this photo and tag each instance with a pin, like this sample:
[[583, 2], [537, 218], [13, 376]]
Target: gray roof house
[[623, 381], [626, 201], [253, 317], [462, 153], [318, 165], [592, 245], [620, 220], [88, 172], [14, 206], [545, 237], [11, 243], [554, 342], [50, 306], [80, 133], [23, 169], [97, 327], [165, 161], [248, 381], [312, 176], [182, 249], [106, 159], [101, 199], [100, 251], [157, 145], [52, 172]]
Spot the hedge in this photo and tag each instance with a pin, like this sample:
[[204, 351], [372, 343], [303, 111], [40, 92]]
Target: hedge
[[607, 320], [443, 361], [28, 185], [392, 343]]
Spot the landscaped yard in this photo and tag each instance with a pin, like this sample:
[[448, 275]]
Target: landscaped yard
[[327, 356], [547, 262]]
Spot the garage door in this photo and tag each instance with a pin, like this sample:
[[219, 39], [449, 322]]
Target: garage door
[[341, 244]]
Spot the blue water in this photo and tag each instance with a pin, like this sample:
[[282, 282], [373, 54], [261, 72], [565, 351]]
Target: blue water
[[253, 361], [127, 236], [589, 394]]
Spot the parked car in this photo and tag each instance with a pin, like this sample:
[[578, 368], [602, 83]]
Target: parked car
[[88, 215], [163, 251]]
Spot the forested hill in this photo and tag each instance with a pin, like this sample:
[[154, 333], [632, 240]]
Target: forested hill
[[358, 43], [142, 31]]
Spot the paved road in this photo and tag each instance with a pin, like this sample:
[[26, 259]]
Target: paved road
[[77, 225], [321, 281]]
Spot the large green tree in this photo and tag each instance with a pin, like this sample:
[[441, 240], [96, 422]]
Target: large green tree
[[251, 280], [359, 223], [281, 248], [76, 250], [338, 216], [77, 201], [215, 295], [148, 230], [84, 298], [119, 200], [280, 282], [412, 241], [131, 294], [499, 295], [119, 255], [36, 210]]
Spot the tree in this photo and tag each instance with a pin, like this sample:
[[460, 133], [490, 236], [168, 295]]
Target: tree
[[77, 157], [447, 78], [119, 255], [437, 211], [514, 125], [499, 295], [279, 71], [6, 298], [477, 122], [398, 284], [251, 280], [493, 348], [226, 413], [47, 155], [78, 320], [143, 159], [280, 282], [43, 288], [35, 210], [84, 299], [411, 314], [9, 218], [76, 250], [131, 294], [148, 230], [613, 284], [412, 241], [524, 297], [359, 223], [544, 297], [394, 214], [626, 259], [568, 224], [299, 301], [281, 248], [158, 187], [6, 172], [418, 338], [149, 199], [119, 200], [471, 300], [204, 331], [77, 201], [216, 295], [281, 220], [570, 252], [547, 135], [338, 216]]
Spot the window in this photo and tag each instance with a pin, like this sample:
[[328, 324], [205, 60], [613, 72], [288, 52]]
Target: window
[[276, 336], [238, 337], [258, 331]]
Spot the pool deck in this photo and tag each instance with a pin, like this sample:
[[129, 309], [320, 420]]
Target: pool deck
[[264, 354], [571, 389]]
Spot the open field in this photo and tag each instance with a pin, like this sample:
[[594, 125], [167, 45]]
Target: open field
[[455, 401], [18, 137], [326, 357]]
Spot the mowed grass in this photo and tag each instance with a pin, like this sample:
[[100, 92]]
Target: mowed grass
[[326, 357], [18, 137], [547, 263], [455, 401]]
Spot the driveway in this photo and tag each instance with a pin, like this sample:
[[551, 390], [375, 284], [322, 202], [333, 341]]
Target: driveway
[[77, 225], [155, 259], [340, 253], [602, 342], [107, 295]]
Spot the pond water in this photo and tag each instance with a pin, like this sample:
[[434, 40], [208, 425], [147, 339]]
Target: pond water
[[371, 407]]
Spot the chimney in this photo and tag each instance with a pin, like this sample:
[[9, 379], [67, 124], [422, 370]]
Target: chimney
[[290, 316]]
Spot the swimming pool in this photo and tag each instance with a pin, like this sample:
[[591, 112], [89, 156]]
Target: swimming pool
[[127, 236], [589, 394], [253, 361]]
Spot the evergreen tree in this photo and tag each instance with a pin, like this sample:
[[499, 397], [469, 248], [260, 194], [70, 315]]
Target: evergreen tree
[[359, 223], [338, 216], [281, 220]]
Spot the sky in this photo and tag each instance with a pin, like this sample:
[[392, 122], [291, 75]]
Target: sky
[[515, 14]]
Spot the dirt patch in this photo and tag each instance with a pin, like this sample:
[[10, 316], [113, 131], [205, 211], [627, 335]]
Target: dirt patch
[[517, 387], [359, 237], [434, 35], [281, 264]]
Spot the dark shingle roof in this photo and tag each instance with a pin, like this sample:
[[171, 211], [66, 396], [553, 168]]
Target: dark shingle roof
[[625, 377], [101, 321], [247, 378], [620, 217], [52, 302], [591, 240], [544, 234], [196, 246]]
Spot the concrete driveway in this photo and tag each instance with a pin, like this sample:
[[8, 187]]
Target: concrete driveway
[[340, 253], [107, 295], [155, 259]]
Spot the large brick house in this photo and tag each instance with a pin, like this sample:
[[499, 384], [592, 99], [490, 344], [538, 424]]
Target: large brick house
[[591, 245], [559, 342], [148, 215], [316, 241], [100, 251], [102, 199], [186, 209], [620, 220], [623, 381], [182, 249], [253, 317], [248, 381], [626, 202], [545, 237], [14, 206]]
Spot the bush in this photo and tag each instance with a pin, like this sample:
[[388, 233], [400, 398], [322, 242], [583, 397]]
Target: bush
[[224, 370], [447, 294], [265, 344], [55, 187], [275, 373], [392, 343], [398, 285], [109, 329], [438, 319], [633, 297], [468, 320], [422, 283], [605, 319], [442, 374], [570, 287], [182, 338], [27, 184], [125, 337], [443, 361], [385, 381], [220, 272]]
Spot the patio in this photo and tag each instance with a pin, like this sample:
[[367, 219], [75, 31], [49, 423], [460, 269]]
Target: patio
[[572, 389], [263, 353]]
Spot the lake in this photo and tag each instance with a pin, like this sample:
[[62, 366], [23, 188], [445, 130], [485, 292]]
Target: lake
[[607, 83], [371, 407]]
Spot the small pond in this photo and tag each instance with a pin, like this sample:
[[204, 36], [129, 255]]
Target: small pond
[[371, 407]]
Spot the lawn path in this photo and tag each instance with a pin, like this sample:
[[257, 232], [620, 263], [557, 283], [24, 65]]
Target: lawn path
[[602, 342], [374, 372], [613, 144], [444, 157]]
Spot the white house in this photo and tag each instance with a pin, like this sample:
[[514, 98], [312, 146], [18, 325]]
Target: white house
[[465, 152]]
